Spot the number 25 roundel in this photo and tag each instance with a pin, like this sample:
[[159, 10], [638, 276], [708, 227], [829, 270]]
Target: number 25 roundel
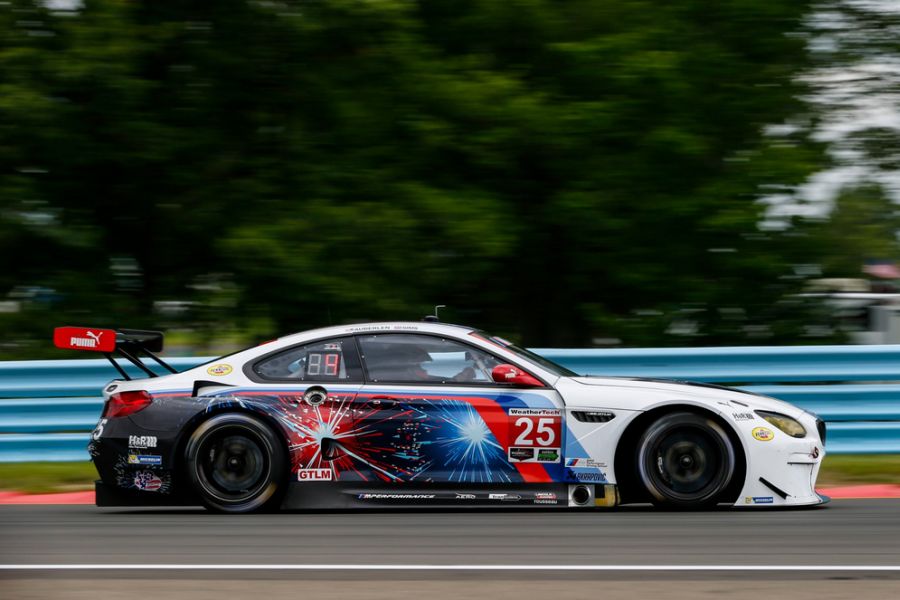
[[537, 427]]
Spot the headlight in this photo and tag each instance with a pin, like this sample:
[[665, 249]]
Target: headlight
[[790, 426]]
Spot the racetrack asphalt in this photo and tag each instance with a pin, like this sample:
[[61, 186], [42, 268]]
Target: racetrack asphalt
[[845, 533]]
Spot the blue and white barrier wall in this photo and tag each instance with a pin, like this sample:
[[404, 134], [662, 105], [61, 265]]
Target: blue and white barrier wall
[[48, 407]]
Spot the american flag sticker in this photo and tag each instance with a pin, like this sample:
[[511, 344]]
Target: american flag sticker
[[147, 481]]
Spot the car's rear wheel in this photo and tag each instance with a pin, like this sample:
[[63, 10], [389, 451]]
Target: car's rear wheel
[[236, 463], [685, 460]]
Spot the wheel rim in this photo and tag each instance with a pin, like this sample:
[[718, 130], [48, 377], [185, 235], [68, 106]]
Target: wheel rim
[[687, 463], [233, 465]]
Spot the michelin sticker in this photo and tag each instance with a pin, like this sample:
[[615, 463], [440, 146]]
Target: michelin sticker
[[144, 459], [759, 500]]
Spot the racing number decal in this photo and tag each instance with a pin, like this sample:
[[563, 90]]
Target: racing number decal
[[536, 431], [536, 434]]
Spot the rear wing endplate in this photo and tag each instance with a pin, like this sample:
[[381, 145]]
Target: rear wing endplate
[[129, 343]]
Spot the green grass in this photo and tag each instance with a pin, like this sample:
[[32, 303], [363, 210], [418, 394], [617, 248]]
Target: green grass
[[37, 478], [45, 477], [850, 469]]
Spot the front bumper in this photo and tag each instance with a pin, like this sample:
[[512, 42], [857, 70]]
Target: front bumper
[[783, 471]]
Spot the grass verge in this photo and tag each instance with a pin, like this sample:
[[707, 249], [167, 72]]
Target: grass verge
[[859, 469], [45, 477]]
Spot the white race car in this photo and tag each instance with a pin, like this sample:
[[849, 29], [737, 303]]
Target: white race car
[[430, 414]]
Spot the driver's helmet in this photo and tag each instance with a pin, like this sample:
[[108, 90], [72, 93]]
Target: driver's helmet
[[414, 358]]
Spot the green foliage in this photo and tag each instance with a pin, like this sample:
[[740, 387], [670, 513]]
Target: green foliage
[[545, 168], [863, 225]]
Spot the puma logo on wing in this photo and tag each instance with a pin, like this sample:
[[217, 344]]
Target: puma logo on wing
[[91, 341]]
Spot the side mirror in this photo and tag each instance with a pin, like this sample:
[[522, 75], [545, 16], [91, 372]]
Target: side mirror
[[514, 375]]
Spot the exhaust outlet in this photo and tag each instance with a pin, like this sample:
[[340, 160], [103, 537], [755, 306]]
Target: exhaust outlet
[[580, 495]]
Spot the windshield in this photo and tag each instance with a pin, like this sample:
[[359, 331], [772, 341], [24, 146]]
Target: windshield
[[528, 355]]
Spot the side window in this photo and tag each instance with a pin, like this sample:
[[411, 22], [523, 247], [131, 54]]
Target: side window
[[412, 358], [329, 360]]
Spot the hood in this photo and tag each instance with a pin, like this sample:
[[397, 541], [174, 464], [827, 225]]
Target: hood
[[673, 389]]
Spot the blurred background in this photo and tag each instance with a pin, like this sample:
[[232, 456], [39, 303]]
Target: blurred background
[[565, 173]]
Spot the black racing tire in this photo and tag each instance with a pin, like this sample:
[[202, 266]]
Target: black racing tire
[[685, 461], [236, 464]]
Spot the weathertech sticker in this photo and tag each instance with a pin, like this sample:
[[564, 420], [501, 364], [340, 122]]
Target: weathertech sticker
[[534, 412], [535, 427]]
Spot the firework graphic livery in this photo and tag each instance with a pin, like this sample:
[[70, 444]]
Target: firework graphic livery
[[391, 440]]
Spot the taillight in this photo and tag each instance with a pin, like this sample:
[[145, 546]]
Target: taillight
[[126, 403]]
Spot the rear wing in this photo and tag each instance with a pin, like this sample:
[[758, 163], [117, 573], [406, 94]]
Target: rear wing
[[129, 343]]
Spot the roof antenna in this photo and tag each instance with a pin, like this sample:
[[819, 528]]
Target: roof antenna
[[434, 318]]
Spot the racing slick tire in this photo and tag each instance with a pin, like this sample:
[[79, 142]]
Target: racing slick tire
[[685, 461], [236, 464]]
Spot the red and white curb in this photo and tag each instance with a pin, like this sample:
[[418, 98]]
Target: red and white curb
[[64, 498], [857, 492], [875, 490]]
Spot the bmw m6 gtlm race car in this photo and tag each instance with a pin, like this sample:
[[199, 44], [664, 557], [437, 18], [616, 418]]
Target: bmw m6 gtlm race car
[[431, 414]]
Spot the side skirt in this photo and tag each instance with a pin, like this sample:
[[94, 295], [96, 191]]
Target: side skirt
[[377, 495]]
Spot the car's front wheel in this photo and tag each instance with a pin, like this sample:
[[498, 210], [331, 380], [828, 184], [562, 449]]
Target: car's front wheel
[[236, 463], [685, 460]]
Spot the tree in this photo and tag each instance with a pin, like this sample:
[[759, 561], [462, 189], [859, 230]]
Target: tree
[[544, 168]]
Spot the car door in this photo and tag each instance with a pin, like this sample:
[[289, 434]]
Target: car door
[[311, 389], [434, 414]]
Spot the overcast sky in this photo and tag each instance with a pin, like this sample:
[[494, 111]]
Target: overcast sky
[[856, 93]]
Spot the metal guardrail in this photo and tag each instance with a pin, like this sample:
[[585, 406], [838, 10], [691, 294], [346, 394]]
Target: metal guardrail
[[48, 407]]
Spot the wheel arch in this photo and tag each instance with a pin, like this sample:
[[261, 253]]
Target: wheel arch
[[213, 410], [624, 462]]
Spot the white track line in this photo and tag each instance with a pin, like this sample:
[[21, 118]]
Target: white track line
[[313, 567]]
